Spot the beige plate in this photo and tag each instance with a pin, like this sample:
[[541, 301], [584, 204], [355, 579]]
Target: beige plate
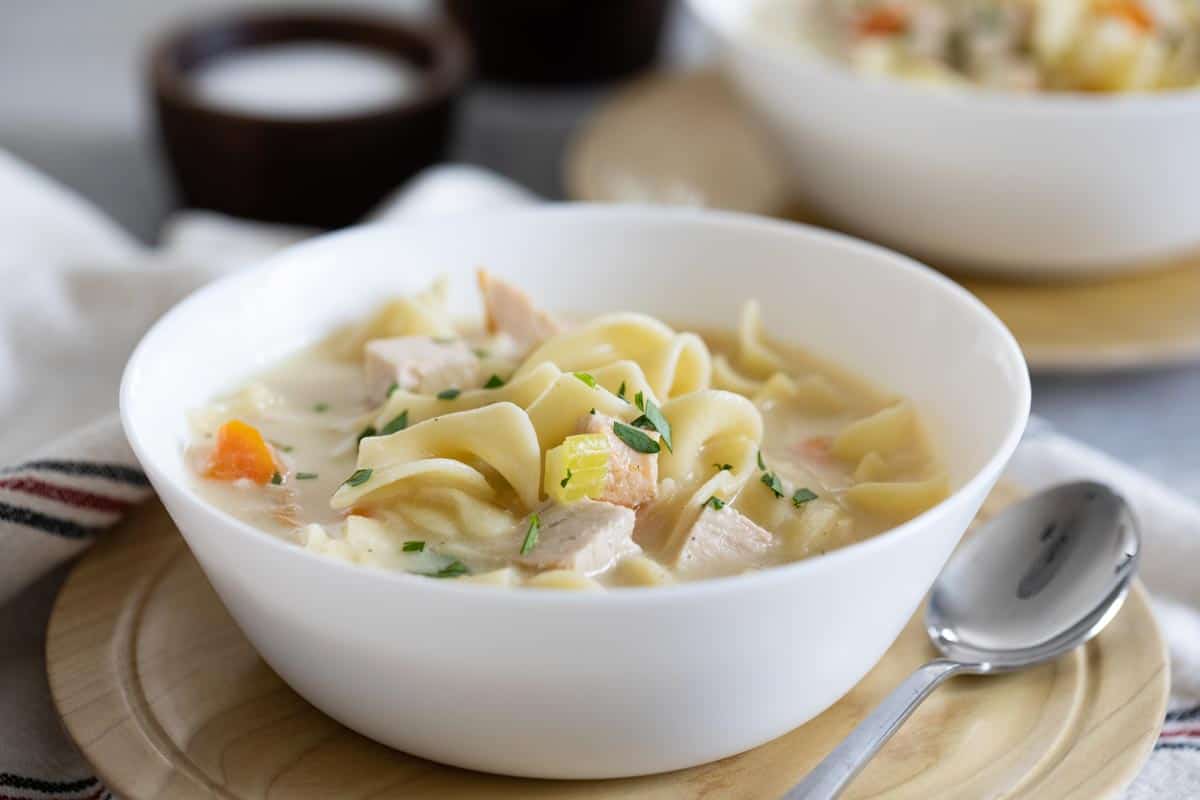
[[682, 139], [165, 697]]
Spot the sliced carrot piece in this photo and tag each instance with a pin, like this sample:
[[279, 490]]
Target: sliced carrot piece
[[1131, 12], [883, 21], [817, 447], [241, 452]]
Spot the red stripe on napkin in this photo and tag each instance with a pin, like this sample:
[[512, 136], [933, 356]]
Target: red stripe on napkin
[[62, 494]]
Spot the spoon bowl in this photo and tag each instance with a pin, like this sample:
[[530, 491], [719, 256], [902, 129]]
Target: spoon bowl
[[1037, 581], [1030, 585]]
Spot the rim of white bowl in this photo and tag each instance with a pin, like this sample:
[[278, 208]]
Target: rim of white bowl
[[973, 97], [679, 592]]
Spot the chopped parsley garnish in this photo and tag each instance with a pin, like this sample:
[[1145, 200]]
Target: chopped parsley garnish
[[398, 423], [306, 476], [621, 392], [771, 481], [494, 382], [761, 465], [586, 378], [531, 535], [413, 547], [723, 467], [359, 477], [563, 483], [451, 570], [367, 431], [321, 408], [652, 418], [276, 479], [448, 394], [393, 389], [286, 448], [592, 412], [715, 503], [635, 438], [640, 401], [802, 496]]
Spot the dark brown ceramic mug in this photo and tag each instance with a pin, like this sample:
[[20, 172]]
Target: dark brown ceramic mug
[[561, 41], [324, 171]]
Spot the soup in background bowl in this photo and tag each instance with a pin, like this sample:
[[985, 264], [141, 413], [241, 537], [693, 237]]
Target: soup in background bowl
[[565, 683], [1007, 45]]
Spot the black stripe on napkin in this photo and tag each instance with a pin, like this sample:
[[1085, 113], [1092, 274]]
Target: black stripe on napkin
[[1178, 746], [8, 780], [46, 524], [113, 472], [1184, 714]]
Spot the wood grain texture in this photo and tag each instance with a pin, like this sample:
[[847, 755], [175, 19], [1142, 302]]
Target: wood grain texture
[[167, 699], [684, 138]]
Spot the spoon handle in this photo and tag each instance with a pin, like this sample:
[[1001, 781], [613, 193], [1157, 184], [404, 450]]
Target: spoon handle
[[838, 768]]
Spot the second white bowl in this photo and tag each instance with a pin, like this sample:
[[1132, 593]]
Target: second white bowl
[[1041, 186]]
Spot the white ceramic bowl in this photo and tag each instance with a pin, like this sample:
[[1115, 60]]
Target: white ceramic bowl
[[1033, 186], [555, 684]]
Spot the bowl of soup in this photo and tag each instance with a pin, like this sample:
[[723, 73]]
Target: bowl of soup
[[1021, 138], [589, 492]]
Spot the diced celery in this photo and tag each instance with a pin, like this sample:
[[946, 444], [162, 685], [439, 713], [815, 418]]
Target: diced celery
[[577, 468]]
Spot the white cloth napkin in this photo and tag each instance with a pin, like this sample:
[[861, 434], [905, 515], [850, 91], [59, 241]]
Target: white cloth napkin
[[78, 293]]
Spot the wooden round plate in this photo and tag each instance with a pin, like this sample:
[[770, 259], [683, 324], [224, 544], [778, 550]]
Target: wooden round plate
[[683, 139], [167, 699]]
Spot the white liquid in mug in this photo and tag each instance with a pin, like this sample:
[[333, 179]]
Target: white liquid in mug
[[305, 80]]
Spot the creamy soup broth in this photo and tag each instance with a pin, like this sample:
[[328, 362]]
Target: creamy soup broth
[[538, 455]]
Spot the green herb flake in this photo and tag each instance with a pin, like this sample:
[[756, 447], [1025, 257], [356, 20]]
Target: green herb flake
[[395, 387], [653, 419], [448, 394], [592, 412], [452, 570], [276, 479], [413, 547], [367, 431], [480, 352], [563, 483], [321, 408], [715, 503], [494, 382], [772, 482], [723, 467], [635, 438], [398, 423], [639, 400], [586, 378], [283, 448], [621, 392], [761, 464], [531, 535], [802, 496], [359, 477], [306, 476]]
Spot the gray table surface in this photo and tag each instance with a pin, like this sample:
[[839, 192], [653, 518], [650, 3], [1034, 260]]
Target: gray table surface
[[71, 104]]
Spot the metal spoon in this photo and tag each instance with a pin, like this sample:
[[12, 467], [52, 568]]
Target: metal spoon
[[1031, 584]]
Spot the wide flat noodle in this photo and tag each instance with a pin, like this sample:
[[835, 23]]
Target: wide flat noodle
[[499, 436], [674, 364]]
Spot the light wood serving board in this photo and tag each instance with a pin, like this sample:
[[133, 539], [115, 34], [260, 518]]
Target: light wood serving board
[[684, 139], [167, 699]]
